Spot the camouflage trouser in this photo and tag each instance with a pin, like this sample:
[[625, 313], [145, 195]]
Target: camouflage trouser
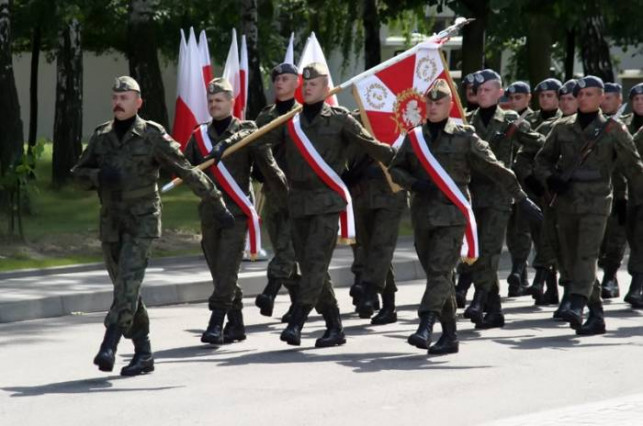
[[314, 239], [549, 253], [635, 239], [438, 249], [357, 267], [492, 225], [126, 261], [223, 251], [614, 243], [377, 231], [518, 236], [283, 264], [580, 238]]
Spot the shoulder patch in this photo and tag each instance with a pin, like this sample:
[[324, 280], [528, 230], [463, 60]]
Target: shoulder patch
[[511, 115], [339, 110]]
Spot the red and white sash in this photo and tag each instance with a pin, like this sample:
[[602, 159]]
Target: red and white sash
[[227, 182], [470, 248], [328, 175]]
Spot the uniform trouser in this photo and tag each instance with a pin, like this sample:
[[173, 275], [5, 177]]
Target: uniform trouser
[[635, 239], [519, 236], [377, 231], [223, 250], [613, 246], [357, 267], [314, 239], [283, 265], [438, 249], [126, 261], [492, 225], [580, 237]]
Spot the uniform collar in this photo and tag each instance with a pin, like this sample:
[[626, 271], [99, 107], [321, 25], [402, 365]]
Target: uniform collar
[[230, 130], [450, 127]]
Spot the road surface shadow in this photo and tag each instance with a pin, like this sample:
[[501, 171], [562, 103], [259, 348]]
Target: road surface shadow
[[97, 385]]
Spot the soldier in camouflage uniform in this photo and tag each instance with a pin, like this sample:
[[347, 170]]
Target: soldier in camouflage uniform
[[314, 207], [470, 93], [566, 98], [634, 120], [584, 200], [438, 224], [282, 269], [223, 247], [491, 205], [122, 163]]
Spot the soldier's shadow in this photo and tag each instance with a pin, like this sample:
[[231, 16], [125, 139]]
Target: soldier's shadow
[[95, 385]]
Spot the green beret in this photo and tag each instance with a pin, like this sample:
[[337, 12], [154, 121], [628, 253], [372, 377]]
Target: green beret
[[314, 70], [218, 85], [126, 83], [438, 90]]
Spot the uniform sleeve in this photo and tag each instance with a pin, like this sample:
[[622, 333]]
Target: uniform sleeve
[[192, 152], [483, 161], [528, 139], [273, 177], [401, 168], [85, 172], [547, 157], [356, 134], [629, 158], [620, 185]]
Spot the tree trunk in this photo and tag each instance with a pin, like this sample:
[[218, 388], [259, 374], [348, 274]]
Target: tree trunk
[[570, 53], [595, 52], [473, 36], [142, 48], [256, 97], [372, 46], [36, 42], [539, 42], [68, 120], [11, 133]]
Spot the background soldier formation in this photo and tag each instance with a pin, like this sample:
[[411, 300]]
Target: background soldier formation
[[578, 162]]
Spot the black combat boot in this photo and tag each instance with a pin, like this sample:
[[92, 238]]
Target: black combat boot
[[633, 295], [292, 292], [107, 353], [572, 310], [356, 289], [266, 300], [234, 330], [476, 309], [448, 341], [464, 282], [494, 317], [334, 334], [292, 333], [368, 301], [609, 286], [595, 323], [537, 287], [551, 294], [214, 333], [143, 361], [422, 337], [387, 314], [517, 279], [563, 302]]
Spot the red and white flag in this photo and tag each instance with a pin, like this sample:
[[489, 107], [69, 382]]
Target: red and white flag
[[243, 75], [191, 99], [313, 53], [290, 51], [205, 58], [232, 73]]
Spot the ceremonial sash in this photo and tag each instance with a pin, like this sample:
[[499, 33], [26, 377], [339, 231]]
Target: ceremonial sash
[[327, 175], [449, 188], [230, 186]]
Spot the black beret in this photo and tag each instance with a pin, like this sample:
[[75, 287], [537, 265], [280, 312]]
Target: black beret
[[568, 88], [613, 88], [548, 84], [485, 75], [284, 68], [589, 81], [636, 90], [519, 87]]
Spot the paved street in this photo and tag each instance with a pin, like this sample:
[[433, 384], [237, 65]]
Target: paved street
[[532, 372]]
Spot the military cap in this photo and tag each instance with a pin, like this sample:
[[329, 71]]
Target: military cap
[[468, 79], [126, 83], [485, 75], [613, 88], [438, 90], [218, 85], [589, 81], [314, 70], [568, 88], [548, 84], [284, 68], [636, 90], [519, 87]]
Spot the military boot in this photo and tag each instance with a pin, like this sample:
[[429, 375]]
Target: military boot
[[292, 292], [494, 317], [609, 285], [448, 341], [572, 310], [462, 287], [551, 294], [334, 334], [107, 353], [387, 314], [266, 300], [214, 333], [595, 323], [356, 289], [234, 330], [476, 309], [517, 279], [422, 337], [538, 284], [366, 306], [292, 333], [563, 302], [143, 361], [633, 295]]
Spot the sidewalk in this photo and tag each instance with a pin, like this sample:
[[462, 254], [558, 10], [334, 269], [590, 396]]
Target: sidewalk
[[61, 291]]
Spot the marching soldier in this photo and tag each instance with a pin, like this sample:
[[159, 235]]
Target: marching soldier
[[634, 295], [547, 91], [439, 225], [223, 246], [316, 145], [122, 163], [469, 93], [634, 121], [577, 162], [282, 269], [519, 94], [566, 98]]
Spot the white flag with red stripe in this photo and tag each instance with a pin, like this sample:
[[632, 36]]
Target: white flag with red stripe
[[206, 64], [243, 76], [313, 53], [232, 73]]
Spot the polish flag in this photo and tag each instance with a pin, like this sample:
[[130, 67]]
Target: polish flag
[[313, 53], [243, 74], [232, 72], [290, 51], [191, 98], [205, 58]]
